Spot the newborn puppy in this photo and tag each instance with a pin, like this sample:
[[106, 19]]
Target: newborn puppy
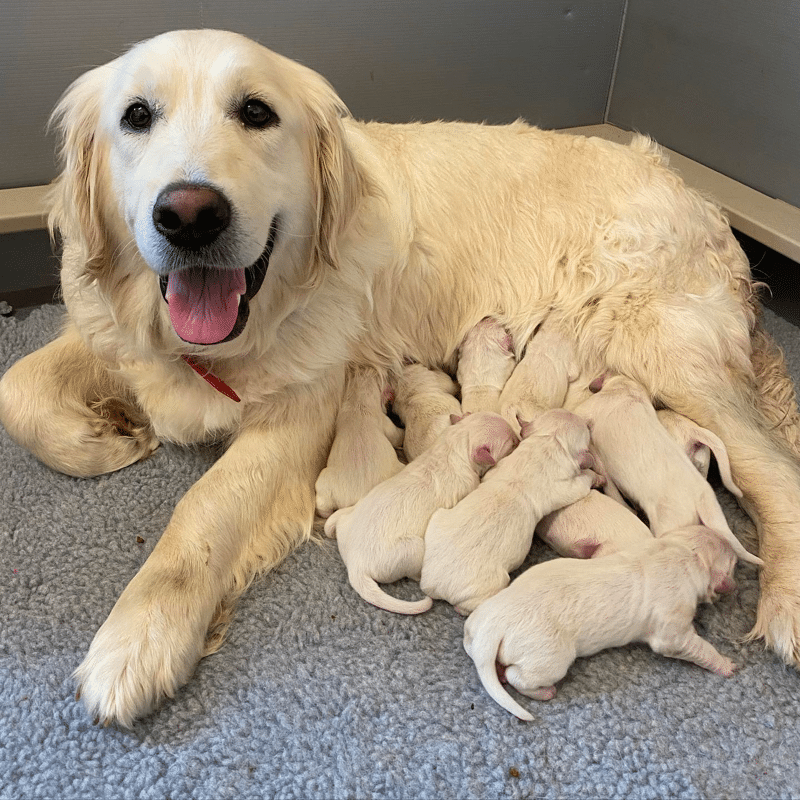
[[363, 451], [381, 537], [485, 362], [471, 548], [541, 378], [646, 463], [565, 608], [592, 527], [424, 399], [699, 444]]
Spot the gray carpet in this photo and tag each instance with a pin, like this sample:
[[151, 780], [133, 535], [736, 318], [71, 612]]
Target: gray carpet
[[318, 695]]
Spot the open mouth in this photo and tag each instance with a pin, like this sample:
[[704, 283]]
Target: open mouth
[[210, 305]]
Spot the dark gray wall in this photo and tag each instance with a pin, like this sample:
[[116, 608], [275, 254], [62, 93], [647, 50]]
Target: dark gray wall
[[397, 60], [719, 82]]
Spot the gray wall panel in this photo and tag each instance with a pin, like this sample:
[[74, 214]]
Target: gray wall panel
[[44, 45], [418, 59], [718, 81], [26, 262], [549, 62]]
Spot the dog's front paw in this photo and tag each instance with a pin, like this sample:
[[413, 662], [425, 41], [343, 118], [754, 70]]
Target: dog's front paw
[[144, 651], [778, 620]]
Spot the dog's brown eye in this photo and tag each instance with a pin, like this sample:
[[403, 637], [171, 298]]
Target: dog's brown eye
[[138, 116], [256, 114]]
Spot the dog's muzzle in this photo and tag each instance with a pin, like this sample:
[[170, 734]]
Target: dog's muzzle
[[210, 305]]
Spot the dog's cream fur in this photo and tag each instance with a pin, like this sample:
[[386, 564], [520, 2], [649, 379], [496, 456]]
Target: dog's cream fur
[[471, 548], [394, 241], [380, 538], [566, 608]]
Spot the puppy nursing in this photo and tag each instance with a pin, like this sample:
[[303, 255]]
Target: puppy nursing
[[541, 378], [646, 463], [461, 516], [363, 451], [381, 537], [560, 610], [424, 399], [485, 363], [471, 548]]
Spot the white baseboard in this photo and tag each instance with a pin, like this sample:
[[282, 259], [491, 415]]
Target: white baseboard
[[23, 209], [767, 220]]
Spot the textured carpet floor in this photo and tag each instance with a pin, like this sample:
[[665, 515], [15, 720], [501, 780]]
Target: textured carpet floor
[[318, 695]]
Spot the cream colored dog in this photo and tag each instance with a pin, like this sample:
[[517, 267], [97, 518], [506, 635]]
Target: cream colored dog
[[381, 537], [471, 548], [594, 526], [648, 465], [563, 609], [363, 451], [698, 443], [542, 376], [217, 205], [485, 362], [424, 399]]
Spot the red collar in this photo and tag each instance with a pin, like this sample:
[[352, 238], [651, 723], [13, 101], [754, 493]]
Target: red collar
[[209, 377]]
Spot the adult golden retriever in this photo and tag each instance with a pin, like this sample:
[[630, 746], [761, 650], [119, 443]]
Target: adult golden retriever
[[217, 203]]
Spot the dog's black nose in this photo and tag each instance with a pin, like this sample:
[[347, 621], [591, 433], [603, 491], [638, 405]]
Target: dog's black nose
[[191, 216]]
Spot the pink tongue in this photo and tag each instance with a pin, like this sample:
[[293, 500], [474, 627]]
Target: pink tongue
[[204, 303]]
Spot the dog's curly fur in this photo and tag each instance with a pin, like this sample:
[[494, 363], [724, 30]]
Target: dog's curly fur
[[393, 241]]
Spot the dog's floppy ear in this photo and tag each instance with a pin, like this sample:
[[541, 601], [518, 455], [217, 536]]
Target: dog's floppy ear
[[339, 182], [76, 208]]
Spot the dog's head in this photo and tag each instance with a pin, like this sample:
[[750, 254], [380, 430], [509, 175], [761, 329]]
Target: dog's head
[[211, 164]]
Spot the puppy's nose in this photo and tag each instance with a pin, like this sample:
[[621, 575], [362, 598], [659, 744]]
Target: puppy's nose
[[191, 216]]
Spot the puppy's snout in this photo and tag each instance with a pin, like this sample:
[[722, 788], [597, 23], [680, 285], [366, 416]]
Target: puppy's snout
[[191, 216]]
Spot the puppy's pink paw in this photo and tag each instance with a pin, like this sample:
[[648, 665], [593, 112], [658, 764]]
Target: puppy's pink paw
[[725, 668], [545, 693]]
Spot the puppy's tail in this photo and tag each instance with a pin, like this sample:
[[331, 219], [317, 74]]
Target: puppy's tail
[[712, 517], [368, 588], [483, 651]]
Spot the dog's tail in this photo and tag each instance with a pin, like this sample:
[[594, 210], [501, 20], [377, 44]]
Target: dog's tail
[[368, 588], [483, 651]]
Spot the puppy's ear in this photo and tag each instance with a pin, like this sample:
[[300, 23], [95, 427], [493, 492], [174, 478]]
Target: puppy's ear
[[597, 384], [483, 455], [339, 182], [75, 195]]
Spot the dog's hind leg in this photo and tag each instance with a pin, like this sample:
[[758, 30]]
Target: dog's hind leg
[[775, 388], [62, 404]]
